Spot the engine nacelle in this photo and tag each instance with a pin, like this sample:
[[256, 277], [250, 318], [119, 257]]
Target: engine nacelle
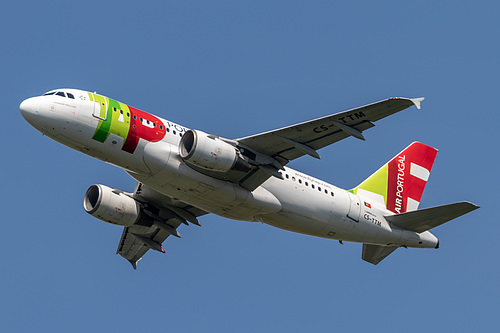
[[111, 205], [210, 153]]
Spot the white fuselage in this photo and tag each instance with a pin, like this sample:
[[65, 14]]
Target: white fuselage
[[299, 203]]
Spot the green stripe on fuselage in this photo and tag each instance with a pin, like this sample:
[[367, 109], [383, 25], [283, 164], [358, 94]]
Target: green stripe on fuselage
[[117, 117], [120, 119], [103, 127]]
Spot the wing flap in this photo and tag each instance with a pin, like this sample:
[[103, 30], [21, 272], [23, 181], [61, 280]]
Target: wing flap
[[425, 219], [376, 253]]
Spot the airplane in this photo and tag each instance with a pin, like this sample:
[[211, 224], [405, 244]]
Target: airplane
[[184, 173]]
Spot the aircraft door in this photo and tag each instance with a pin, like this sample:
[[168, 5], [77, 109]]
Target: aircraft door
[[100, 106], [354, 207]]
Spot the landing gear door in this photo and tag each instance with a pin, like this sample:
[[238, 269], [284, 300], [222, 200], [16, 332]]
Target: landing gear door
[[100, 107], [354, 207]]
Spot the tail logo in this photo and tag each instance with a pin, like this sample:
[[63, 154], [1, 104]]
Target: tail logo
[[407, 176], [400, 184], [415, 171]]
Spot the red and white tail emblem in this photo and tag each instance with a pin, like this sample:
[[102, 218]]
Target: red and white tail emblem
[[408, 174]]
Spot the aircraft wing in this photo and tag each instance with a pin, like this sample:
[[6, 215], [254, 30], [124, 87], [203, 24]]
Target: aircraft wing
[[162, 219], [307, 137], [291, 142]]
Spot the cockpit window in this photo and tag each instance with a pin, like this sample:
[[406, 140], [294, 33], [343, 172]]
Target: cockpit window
[[60, 93]]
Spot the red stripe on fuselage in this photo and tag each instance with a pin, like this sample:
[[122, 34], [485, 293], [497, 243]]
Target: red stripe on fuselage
[[143, 126]]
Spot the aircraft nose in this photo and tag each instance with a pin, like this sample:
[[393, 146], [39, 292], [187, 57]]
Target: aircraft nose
[[29, 109]]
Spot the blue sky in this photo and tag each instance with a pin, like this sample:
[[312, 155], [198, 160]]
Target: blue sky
[[236, 68]]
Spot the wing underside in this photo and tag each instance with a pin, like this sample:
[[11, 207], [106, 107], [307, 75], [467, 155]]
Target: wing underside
[[288, 143], [133, 248], [160, 219], [269, 152], [321, 132]]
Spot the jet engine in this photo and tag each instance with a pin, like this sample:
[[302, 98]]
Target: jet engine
[[209, 152], [111, 205]]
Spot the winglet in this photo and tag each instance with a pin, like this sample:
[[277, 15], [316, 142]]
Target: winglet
[[134, 263], [417, 101]]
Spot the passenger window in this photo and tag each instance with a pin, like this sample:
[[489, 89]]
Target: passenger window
[[70, 95], [60, 93]]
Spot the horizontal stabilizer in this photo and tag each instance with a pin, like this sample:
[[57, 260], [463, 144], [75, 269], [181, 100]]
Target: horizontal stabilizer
[[425, 219], [376, 253]]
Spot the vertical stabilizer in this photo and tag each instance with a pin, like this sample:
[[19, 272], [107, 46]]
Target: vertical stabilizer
[[401, 181]]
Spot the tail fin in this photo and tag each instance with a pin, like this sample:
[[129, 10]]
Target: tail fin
[[401, 181]]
